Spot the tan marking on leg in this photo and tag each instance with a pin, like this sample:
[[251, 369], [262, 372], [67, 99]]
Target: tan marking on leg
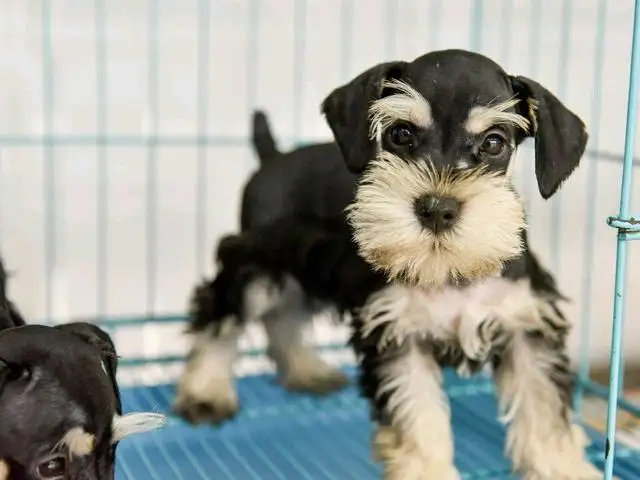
[[4, 470]]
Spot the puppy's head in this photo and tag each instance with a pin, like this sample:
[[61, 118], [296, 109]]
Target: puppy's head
[[60, 411], [433, 140]]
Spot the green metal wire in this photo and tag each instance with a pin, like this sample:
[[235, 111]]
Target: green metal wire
[[151, 214], [592, 196], [477, 25], [49, 172], [299, 49], [563, 81], [102, 170], [203, 87]]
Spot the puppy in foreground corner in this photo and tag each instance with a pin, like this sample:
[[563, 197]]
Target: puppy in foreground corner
[[435, 266], [60, 411]]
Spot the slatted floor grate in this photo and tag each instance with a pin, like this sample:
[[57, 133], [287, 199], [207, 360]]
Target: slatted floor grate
[[283, 436]]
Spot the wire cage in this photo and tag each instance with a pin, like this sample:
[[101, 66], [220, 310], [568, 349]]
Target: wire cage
[[123, 150]]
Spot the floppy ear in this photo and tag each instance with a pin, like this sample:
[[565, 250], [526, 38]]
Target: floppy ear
[[560, 136], [101, 340], [346, 110]]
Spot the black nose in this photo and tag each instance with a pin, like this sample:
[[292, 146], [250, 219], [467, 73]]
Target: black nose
[[438, 214]]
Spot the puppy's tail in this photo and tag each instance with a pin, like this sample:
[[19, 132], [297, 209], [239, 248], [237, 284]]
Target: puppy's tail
[[262, 138]]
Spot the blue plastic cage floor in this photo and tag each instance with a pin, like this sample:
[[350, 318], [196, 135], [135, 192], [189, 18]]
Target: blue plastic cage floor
[[278, 435]]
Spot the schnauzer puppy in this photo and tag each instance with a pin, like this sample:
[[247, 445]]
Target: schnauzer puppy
[[60, 411], [432, 141], [434, 265], [309, 183]]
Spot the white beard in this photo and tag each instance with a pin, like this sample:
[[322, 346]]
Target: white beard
[[390, 237]]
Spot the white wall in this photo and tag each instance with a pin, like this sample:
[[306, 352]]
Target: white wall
[[327, 54]]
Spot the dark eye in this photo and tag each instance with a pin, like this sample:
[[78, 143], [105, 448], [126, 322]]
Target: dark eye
[[53, 468], [493, 145], [401, 135]]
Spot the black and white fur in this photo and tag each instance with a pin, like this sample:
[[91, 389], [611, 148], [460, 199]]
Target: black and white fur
[[442, 127], [446, 126], [309, 183], [60, 411]]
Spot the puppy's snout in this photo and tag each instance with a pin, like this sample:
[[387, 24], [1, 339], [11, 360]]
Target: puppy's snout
[[438, 214]]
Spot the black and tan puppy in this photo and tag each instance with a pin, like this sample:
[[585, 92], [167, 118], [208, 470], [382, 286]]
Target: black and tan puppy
[[434, 264], [60, 411], [306, 184]]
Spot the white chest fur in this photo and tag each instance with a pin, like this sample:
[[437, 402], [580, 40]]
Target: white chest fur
[[451, 314]]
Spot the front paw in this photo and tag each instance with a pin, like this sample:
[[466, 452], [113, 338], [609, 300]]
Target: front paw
[[320, 382], [580, 472], [214, 412], [214, 402], [417, 469], [477, 343], [565, 470]]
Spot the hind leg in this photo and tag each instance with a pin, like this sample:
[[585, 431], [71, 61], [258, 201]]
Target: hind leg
[[206, 391], [299, 365]]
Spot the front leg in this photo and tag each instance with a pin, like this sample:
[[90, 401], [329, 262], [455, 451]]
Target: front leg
[[534, 386], [479, 340], [393, 340], [415, 441]]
